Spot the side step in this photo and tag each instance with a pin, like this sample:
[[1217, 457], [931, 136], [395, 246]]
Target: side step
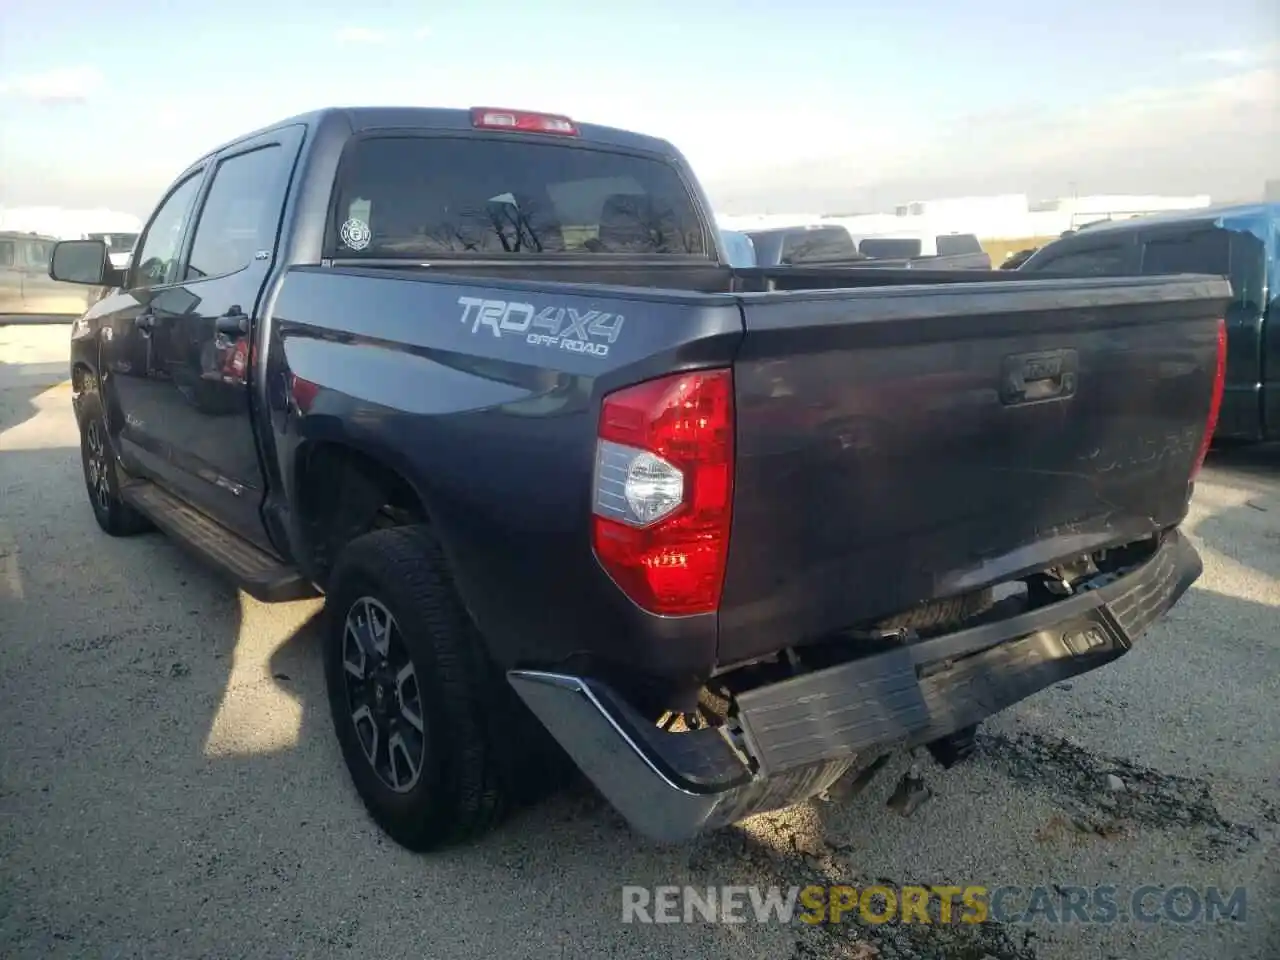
[[260, 575]]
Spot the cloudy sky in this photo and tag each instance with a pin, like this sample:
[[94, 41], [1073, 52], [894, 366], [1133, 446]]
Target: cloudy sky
[[807, 105]]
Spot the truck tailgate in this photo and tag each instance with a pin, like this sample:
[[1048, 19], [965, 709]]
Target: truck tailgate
[[901, 444]]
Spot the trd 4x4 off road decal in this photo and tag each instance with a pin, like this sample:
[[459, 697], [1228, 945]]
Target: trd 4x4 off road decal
[[560, 328]]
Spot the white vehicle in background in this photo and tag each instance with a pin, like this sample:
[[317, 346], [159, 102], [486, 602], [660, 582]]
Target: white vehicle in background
[[119, 246]]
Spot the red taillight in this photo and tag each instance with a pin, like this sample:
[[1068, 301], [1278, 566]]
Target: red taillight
[[1215, 401], [493, 118], [304, 392], [663, 490]]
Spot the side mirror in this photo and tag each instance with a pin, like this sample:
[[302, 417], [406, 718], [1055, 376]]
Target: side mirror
[[82, 261]]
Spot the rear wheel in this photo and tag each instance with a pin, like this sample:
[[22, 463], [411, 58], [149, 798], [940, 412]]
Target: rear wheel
[[101, 475], [418, 711]]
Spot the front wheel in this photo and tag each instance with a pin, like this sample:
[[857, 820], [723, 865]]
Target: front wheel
[[101, 477], [414, 702]]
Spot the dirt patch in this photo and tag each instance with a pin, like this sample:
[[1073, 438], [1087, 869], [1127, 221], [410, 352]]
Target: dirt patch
[[1107, 797], [854, 937]]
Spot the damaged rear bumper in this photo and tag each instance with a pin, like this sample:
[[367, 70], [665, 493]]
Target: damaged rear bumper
[[800, 735]]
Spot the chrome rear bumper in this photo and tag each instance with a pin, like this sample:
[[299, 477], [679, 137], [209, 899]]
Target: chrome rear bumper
[[799, 736]]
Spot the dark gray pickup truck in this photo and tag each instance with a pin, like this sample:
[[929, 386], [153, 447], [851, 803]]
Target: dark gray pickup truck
[[484, 380]]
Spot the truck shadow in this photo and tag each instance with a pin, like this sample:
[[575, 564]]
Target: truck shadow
[[1248, 532], [181, 754], [1259, 461], [20, 384]]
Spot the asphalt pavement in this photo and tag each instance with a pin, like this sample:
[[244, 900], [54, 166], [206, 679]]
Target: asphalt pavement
[[170, 787]]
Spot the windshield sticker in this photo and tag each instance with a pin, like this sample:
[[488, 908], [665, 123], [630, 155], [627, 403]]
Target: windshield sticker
[[355, 234], [566, 328]]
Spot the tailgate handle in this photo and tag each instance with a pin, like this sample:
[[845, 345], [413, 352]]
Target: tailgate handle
[[1035, 377]]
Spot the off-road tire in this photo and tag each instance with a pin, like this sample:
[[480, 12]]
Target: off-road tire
[[471, 757], [102, 472]]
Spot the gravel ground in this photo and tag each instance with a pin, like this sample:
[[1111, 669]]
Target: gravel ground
[[169, 786]]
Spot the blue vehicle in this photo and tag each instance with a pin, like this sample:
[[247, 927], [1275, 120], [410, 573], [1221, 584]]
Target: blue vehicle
[[1241, 243], [738, 249]]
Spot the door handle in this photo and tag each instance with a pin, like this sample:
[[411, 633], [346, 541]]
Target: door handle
[[144, 322], [1031, 377], [233, 323]]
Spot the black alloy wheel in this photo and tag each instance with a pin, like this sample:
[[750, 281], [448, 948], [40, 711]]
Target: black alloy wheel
[[383, 695]]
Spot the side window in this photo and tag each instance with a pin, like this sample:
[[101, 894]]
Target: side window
[[157, 259], [240, 213], [36, 254], [1202, 251], [1248, 269], [1094, 262], [6, 253]]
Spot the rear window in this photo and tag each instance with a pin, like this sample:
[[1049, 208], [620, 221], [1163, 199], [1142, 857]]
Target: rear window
[[829, 243], [418, 197], [890, 248], [955, 244]]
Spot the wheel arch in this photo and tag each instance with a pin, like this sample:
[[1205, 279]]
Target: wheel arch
[[342, 488]]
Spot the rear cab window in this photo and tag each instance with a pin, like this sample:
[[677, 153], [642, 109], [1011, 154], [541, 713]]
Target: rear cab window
[[423, 196], [891, 248], [826, 243], [957, 244]]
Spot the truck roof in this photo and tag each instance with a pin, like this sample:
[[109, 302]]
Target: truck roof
[[1191, 215], [359, 119]]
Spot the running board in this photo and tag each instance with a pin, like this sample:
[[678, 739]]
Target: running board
[[258, 574]]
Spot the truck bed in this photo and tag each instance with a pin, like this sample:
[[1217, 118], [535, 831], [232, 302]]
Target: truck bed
[[900, 445], [896, 441]]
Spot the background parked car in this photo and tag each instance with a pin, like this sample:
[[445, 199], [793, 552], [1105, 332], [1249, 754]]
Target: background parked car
[[26, 290], [1241, 243], [119, 246]]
